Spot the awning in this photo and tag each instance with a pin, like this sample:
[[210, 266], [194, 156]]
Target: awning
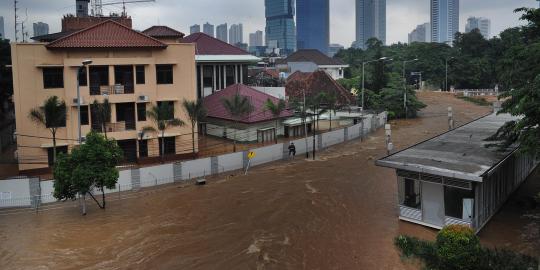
[[50, 145]]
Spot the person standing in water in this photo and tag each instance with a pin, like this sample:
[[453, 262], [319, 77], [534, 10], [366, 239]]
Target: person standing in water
[[292, 150]]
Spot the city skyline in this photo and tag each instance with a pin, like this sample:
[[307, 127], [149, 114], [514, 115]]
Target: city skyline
[[251, 14], [444, 20]]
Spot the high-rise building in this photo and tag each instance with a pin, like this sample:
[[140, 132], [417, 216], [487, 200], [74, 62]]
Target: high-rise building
[[370, 21], [334, 48], [2, 33], [280, 26], [222, 32], [422, 33], [236, 34], [313, 24], [40, 29], [208, 29], [482, 24], [256, 39], [82, 8], [444, 20], [194, 29]]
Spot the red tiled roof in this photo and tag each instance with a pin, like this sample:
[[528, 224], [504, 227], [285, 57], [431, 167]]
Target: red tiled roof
[[207, 45], [215, 108], [108, 34], [311, 55], [162, 31], [315, 82]]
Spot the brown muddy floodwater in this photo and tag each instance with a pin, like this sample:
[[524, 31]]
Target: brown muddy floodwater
[[338, 212]]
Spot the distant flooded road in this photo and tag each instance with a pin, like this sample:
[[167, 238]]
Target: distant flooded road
[[338, 212]]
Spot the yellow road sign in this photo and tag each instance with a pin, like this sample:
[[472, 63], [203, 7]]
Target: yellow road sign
[[251, 155]]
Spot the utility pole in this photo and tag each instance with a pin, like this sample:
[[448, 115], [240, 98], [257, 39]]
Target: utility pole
[[16, 19], [405, 85], [313, 131], [304, 118]]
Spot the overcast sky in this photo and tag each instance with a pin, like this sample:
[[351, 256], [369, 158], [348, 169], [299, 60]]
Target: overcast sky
[[402, 15]]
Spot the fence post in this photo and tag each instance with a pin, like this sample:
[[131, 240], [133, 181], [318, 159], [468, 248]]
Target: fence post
[[450, 119]]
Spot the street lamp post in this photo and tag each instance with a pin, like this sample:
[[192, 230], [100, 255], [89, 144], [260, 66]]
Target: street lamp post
[[405, 85], [446, 73], [84, 64], [364, 77]]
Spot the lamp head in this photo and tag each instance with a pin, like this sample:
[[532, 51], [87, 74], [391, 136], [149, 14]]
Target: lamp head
[[86, 62]]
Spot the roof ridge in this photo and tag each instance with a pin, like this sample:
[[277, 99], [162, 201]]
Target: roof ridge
[[200, 35]]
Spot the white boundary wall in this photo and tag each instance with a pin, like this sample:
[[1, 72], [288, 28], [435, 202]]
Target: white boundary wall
[[21, 192]]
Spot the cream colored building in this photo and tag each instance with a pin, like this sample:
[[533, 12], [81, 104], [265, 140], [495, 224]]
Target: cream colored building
[[133, 70]]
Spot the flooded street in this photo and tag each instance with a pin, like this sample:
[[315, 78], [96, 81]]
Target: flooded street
[[338, 212]]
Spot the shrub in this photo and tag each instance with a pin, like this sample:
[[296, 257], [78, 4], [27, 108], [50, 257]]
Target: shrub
[[457, 247]]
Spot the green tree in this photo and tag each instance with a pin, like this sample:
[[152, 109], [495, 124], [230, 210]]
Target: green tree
[[52, 115], [393, 99], [163, 118], [196, 113], [276, 109], [102, 114], [90, 165], [379, 77], [238, 107]]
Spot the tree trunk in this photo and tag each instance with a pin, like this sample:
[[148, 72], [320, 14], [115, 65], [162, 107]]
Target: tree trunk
[[103, 196], [54, 146], [84, 204], [234, 138], [193, 136], [162, 146], [330, 120]]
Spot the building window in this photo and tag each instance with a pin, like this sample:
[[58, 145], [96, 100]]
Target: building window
[[169, 145], [164, 74], [123, 77], [141, 112], [83, 81], [409, 193], [139, 70], [170, 104], [99, 76], [143, 148], [458, 203], [53, 77], [84, 116]]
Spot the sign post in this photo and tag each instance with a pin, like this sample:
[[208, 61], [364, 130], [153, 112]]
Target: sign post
[[250, 156]]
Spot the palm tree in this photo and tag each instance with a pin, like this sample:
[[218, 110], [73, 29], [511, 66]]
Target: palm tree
[[276, 109], [331, 101], [238, 107], [51, 115], [163, 117], [102, 114], [196, 113]]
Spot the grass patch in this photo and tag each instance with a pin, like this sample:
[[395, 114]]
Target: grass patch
[[478, 101]]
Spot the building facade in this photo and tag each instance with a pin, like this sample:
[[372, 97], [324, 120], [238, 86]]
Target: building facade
[[482, 24], [444, 20], [40, 29], [422, 33], [208, 29], [280, 26], [132, 70], [236, 34], [311, 60], [222, 32], [256, 39], [370, 21], [313, 24], [194, 29]]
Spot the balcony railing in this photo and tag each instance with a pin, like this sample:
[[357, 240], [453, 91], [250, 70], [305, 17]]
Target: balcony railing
[[107, 90], [120, 126]]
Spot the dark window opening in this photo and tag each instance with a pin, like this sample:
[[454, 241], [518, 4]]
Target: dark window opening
[[143, 148], [125, 112], [409, 193], [230, 75], [244, 73], [170, 105], [141, 112], [99, 76], [96, 123], [129, 149], [164, 74], [458, 203], [84, 116], [50, 153], [123, 77], [53, 78], [169, 145], [83, 77], [140, 76], [199, 89]]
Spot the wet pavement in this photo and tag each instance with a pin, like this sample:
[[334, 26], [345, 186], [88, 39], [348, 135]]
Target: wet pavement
[[338, 212]]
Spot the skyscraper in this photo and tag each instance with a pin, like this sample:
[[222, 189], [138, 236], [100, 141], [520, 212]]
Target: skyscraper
[[256, 39], [2, 33], [482, 24], [194, 29], [222, 32], [280, 26], [208, 29], [313, 24], [370, 21], [236, 34], [41, 29], [422, 33], [444, 20]]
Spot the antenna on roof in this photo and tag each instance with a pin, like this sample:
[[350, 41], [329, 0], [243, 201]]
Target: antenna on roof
[[97, 6]]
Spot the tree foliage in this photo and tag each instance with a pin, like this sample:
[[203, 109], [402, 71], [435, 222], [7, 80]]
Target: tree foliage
[[90, 165], [276, 109], [196, 113], [162, 116], [238, 107], [51, 115]]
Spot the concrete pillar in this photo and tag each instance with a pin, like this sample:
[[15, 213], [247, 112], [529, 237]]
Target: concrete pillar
[[135, 178], [201, 67], [346, 134], [235, 73], [214, 165], [285, 151], [35, 192], [177, 171], [214, 79], [245, 159], [319, 142], [241, 74], [224, 76]]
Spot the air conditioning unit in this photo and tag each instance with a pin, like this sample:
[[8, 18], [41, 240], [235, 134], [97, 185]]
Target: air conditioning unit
[[75, 101], [143, 98]]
